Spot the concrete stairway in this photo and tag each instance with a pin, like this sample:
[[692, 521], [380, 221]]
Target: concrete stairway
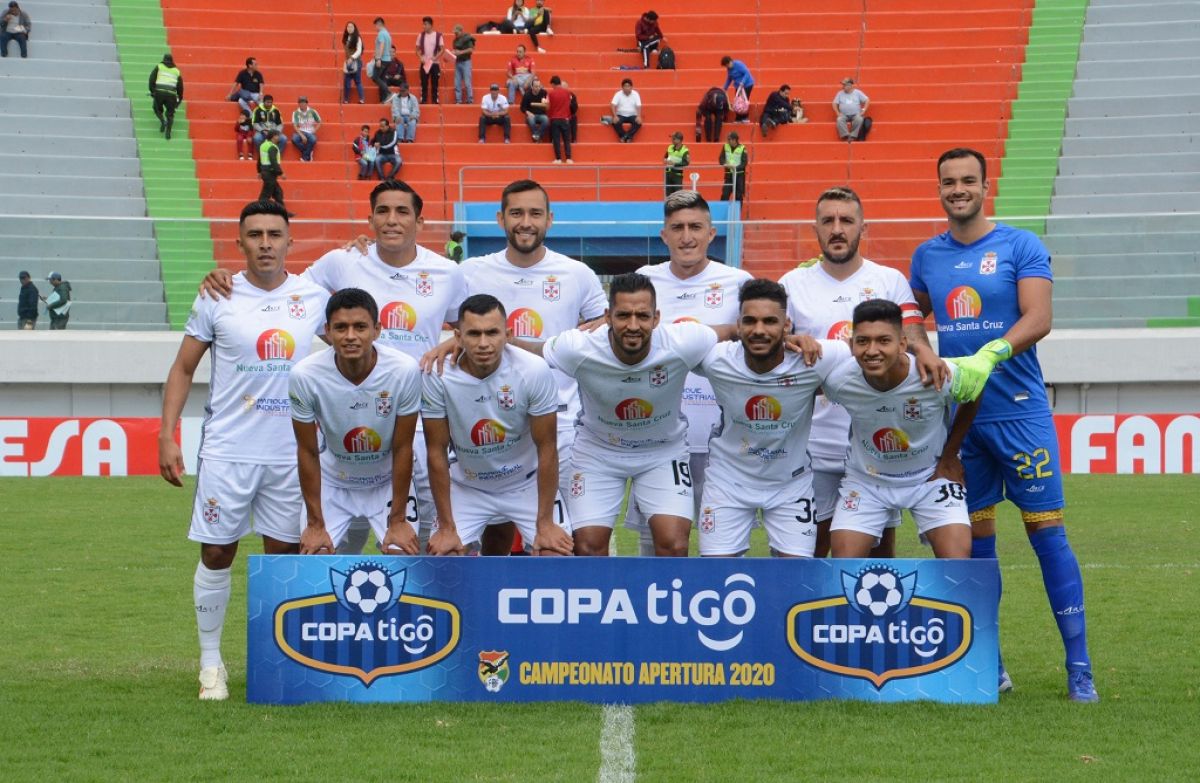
[[71, 194], [1131, 149]]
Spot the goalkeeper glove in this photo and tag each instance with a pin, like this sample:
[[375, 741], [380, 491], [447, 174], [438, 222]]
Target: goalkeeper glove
[[971, 372]]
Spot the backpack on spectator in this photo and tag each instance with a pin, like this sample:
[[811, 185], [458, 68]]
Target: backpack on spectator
[[666, 59]]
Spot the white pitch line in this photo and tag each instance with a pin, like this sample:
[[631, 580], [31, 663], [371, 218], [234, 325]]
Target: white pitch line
[[618, 763]]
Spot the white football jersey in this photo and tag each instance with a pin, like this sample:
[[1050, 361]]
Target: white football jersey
[[357, 422], [710, 297], [762, 441], [413, 300], [821, 306], [256, 338], [489, 418], [631, 407], [896, 436]]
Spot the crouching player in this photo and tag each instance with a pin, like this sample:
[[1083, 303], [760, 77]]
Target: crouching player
[[364, 399], [901, 456], [498, 406]]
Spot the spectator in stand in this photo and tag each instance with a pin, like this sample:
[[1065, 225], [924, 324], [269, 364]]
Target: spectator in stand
[[352, 66], [626, 110], [516, 19], [266, 117], [364, 152], [559, 103], [850, 104], [15, 25], [738, 75], [389, 76], [778, 109], [539, 23], [406, 111], [734, 158], [386, 151], [677, 159], [710, 114], [534, 104], [454, 248], [495, 112], [649, 35], [430, 48], [305, 124], [27, 303], [248, 85], [520, 73], [383, 48], [463, 48], [269, 170], [574, 114], [58, 304], [244, 130], [166, 86]]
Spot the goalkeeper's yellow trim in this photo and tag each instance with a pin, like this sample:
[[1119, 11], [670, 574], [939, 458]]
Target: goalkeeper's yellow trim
[[984, 515], [1034, 517]]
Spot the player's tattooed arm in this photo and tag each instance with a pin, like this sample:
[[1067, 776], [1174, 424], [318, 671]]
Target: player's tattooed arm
[[550, 539], [949, 466], [314, 539], [400, 538], [445, 540], [175, 394], [217, 284]]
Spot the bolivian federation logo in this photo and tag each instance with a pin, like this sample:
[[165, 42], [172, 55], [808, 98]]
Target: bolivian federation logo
[[366, 627], [493, 669], [879, 629]]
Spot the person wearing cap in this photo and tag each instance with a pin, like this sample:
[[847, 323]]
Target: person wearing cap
[[495, 112], [58, 304], [269, 169], [27, 302], [266, 117], [734, 158], [850, 104], [676, 160], [406, 111], [15, 25], [166, 87], [305, 122]]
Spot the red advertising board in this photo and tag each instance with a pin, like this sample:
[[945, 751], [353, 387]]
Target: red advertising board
[[1130, 443]]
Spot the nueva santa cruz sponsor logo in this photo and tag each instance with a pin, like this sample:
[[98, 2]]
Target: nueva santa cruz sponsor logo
[[398, 315]]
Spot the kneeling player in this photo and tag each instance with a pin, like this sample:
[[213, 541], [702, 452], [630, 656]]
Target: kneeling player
[[498, 405], [901, 456], [365, 400]]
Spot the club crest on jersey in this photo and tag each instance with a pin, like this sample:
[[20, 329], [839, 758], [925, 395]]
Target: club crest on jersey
[[708, 520], [658, 375], [912, 409], [383, 404], [424, 284], [867, 294], [296, 307], [493, 669], [850, 502], [714, 296], [577, 486], [987, 264], [551, 289], [505, 397], [212, 511]]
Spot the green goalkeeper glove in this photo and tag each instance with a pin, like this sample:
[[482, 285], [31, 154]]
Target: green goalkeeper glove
[[971, 372]]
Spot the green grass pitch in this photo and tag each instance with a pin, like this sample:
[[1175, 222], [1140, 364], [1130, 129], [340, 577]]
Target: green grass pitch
[[98, 671]]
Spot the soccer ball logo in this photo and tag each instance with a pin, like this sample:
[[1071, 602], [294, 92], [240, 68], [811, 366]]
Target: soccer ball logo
[[367, 588], [878, 591]]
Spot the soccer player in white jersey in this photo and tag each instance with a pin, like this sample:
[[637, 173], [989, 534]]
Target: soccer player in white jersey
[[903, 451], [821, 299], [364, 399], [499, 407], [758, 456], [247, 454]]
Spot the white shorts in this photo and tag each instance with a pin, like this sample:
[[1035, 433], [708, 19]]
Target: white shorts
[[420, 499], [566, 439], [229, 494], [698, 465], [865, 508], [596, 490], [728, 515], [474, 509], [825, 491], [341, 506]]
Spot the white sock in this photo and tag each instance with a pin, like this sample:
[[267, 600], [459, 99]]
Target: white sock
[[210, 589]]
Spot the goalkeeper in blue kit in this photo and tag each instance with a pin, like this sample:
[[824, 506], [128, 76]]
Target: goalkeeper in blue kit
[[989, 287]]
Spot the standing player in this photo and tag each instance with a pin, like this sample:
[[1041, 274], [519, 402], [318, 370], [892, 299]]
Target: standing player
[[247, 453], [821, 299], [498, 405], [901, 455], [989, 287], [364, 399]]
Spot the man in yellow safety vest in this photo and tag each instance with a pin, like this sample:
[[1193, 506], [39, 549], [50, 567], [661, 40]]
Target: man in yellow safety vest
[[166, 86]]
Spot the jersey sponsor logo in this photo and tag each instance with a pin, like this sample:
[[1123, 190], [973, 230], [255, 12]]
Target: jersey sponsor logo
[[840, 331], [890, 440], [523, 283], [963, 303], [211, 512], [366, 617], [634, 409], [987, 264], [383, 404], [398, 315], [963, 265], [362, 440], [658, 375], [424, 284], [684, 319], [631, 379], [551, 289], [487, 432], [274, 344], [296, 307], [506, 398], [525, 322], [361, 405], [842, 299], [887, 633], [912, 409], [269, 309], [762, 407], [493, 669], [714, 296]]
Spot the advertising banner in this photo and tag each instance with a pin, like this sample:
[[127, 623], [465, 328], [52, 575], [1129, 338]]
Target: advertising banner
[[1129, 443], [628, 630]]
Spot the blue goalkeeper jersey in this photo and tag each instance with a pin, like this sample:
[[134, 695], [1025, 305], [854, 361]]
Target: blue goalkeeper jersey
[[973, 289]]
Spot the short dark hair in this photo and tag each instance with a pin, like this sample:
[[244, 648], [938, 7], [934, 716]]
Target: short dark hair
[[481, 304], [263, 208], [457, 236], [726, 60], [521, 186], [874, 310], [784, 87], [401, 186], [651, 15], [761, 288], [963, 152], [685, 199], [630, 283], [249, 61], [841, 193], [379, 20], [425, 19], [268, 98], [350, 298], [365, 127], [626, 81], [555, 80]]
